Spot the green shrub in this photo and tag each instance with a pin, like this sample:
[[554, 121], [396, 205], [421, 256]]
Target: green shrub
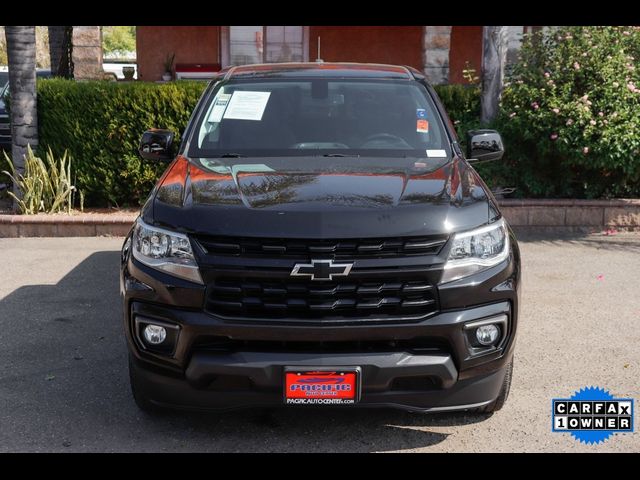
[[571, 114], [462, 103], [100, 124], [44, 186]]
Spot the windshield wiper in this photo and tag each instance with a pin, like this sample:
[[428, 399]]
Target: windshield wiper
[[231, 155], [340, 155]]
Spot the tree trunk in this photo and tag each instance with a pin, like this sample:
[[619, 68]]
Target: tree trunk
[[494, 59], [60, 52], [21, 52]]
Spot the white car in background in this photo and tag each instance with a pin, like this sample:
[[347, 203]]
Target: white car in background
[[4, 76], [115, 68]]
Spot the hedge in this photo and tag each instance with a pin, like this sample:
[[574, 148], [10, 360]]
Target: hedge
[[101, 122], [462, 103], [557, 143]]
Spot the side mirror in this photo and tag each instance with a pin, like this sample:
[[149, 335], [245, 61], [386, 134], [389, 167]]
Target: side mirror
[[484, 145], [157, 145]]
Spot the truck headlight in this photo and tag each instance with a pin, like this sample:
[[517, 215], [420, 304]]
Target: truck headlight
[[166, 251], [476, 250]]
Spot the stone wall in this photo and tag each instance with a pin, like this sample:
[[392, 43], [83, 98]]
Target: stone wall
[[537, 216], [436, 45], [87, 53], [579, 216]]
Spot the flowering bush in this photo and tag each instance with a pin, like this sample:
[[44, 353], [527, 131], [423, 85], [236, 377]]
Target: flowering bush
[[570, 113]]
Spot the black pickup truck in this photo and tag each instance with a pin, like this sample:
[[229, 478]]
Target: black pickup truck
[[319, 238]]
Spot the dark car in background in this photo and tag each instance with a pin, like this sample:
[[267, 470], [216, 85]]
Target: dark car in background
[[5, 122], [5, 130], [320, 239]]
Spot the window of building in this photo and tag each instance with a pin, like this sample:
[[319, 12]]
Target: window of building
[[242, 45]]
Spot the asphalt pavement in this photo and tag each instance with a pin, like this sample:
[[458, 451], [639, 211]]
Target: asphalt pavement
[[63, 363]]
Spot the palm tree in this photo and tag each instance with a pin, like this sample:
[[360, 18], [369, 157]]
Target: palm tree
[[60, 45], [21, 53], [494, 58]]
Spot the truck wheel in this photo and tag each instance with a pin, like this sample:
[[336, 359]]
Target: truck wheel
[[499, 402], [139, 396]]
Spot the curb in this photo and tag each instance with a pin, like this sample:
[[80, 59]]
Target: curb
[[89, 225]]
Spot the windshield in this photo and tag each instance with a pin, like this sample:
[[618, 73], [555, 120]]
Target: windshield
[[319, 117]]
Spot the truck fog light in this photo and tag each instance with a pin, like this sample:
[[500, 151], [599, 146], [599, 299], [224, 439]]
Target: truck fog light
[[485, 334], [154, 334]]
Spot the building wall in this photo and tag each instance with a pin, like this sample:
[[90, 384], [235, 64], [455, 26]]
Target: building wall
[[376, 44], [395, 45], [190, 44], [466, 45]]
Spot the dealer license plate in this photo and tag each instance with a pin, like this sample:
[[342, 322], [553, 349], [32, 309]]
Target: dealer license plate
[[323, 386]]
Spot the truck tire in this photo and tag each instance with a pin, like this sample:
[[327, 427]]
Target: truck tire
[[499, 402]]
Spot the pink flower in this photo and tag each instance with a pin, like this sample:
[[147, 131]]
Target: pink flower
[[546, 74], [601, 114], [512, 114], [625, 33], [584, 98], [585, 150], [576, 65], [569, 122], [592, 122], [631, 86], [556, 110], [535, 105], [553, 136]]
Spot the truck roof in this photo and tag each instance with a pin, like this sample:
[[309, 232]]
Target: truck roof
[[321, 69]]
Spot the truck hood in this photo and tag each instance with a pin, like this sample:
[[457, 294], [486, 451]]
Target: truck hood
[[319, 197]]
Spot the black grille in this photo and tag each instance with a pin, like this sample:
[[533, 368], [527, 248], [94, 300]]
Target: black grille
[[417, 346], [353, 249], [344, 299]]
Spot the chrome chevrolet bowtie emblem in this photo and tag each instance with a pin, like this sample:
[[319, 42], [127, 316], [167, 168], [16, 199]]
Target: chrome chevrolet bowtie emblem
[[321, 269]]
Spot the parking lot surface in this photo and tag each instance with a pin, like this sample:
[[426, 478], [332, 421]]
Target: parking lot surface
[[63, 363]]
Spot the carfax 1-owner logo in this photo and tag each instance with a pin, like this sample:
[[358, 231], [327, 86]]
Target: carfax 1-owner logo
[[592, 415]]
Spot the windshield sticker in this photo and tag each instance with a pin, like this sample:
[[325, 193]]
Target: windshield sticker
[[247, 105], [423, 126], [436, 153], [219, 107], [421, 113]]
